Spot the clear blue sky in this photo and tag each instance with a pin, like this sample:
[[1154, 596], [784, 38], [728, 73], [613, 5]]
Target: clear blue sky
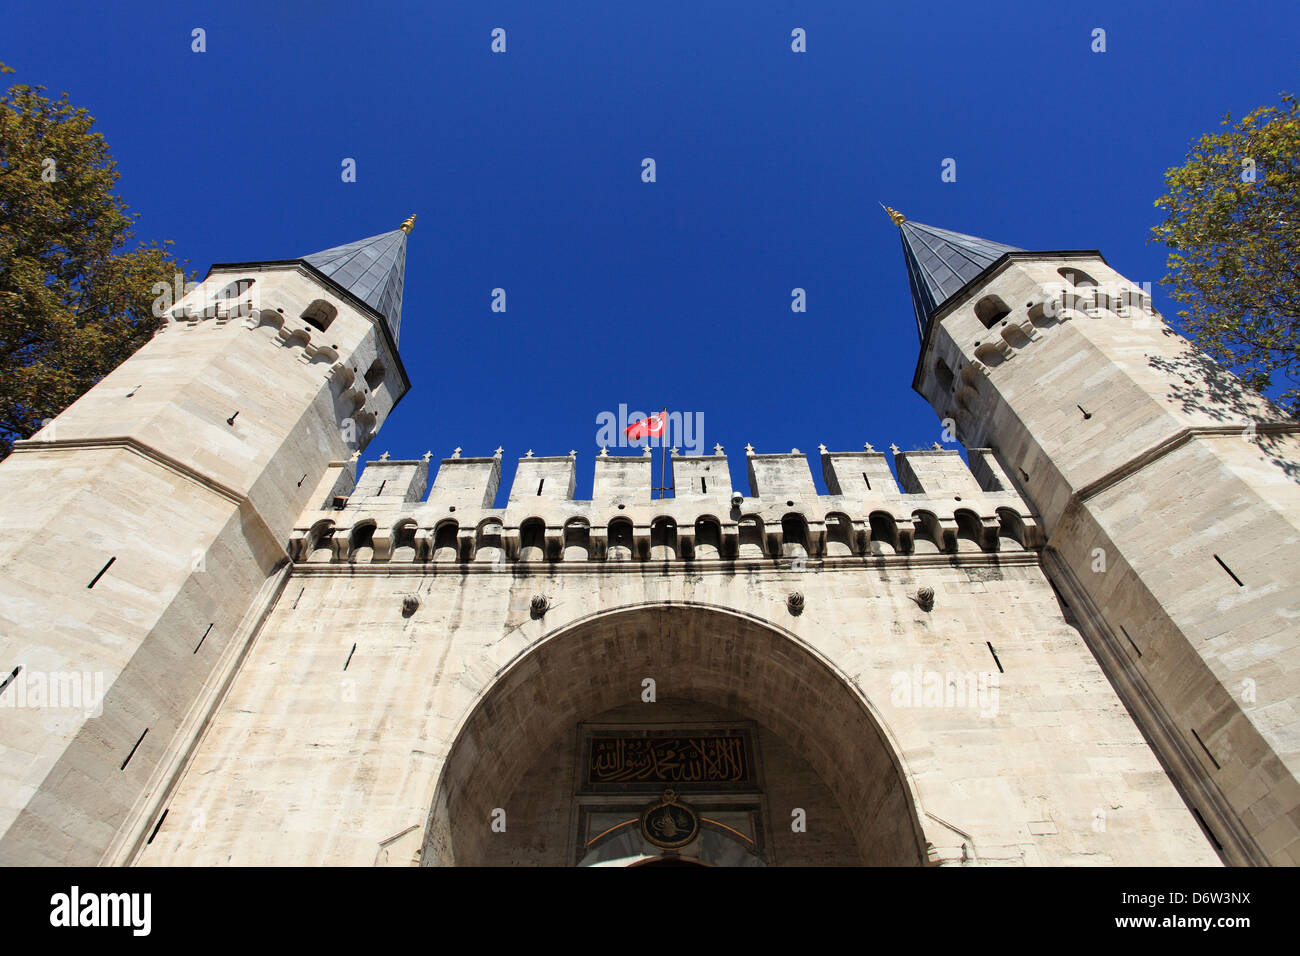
[[524, 168]]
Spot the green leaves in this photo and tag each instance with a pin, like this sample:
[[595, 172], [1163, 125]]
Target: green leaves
[[1233, 230], [75, 289]]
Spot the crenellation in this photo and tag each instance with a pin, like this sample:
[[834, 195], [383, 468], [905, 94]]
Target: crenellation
[[935, 473], [465, 483], [335, 485], [624, 479], [856, 474], [774, 476], [624, 520], [706, 477], [988, 471], [540, 481], [392, 482]]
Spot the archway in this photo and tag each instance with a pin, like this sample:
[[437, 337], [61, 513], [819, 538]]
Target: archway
[[693, 653]]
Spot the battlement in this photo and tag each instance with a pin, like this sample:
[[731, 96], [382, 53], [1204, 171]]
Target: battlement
[[943, 507]]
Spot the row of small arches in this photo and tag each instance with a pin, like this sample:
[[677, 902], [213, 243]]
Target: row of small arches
[[838, 535]]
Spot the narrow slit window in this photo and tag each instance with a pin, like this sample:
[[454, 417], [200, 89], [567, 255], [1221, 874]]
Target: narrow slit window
[[704, 485], [157, 827], [995, 657], [133, 750], [202, 639], [1229, 570], [866, 481], [96, 578], [539, 486], [1208, 832], [1206, 749]]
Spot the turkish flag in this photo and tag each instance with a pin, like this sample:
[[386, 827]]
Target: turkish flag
[[651, 427]]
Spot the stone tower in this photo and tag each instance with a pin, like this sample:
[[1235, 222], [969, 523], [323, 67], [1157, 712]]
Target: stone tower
[[144, 530], [1169, 495]]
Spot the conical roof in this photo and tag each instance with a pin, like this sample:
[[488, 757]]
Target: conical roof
[[371, 269], [940, 262]]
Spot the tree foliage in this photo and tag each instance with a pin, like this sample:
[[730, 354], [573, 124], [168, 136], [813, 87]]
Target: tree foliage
[[75, 301], [1232, 222]]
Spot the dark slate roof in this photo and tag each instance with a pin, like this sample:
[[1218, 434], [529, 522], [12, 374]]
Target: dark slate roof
[[940, 262], [371, 269]]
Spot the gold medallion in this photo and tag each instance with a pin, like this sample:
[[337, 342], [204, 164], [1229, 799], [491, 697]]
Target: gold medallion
[[668, 823]]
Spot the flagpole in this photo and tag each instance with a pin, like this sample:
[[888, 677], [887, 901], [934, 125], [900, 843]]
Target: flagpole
[[663, 459]]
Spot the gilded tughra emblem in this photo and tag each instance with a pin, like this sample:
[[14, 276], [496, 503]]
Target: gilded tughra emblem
[[668, 823]]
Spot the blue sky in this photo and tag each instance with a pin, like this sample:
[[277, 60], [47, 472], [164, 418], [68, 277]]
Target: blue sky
[[525, 170]]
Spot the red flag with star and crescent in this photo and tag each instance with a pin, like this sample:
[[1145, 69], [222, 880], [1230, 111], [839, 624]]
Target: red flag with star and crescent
[[651, 427]]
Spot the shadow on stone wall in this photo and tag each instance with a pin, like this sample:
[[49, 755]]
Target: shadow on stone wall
[[1201, 385]]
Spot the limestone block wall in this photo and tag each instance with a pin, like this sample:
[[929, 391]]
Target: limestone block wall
[[1170, 495], [174, 567], [367, 724], [330, 745]]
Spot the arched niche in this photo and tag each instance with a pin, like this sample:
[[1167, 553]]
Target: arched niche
[[708, 538], [839, 534], [716, 656], [577, 539], [663, 539], [991, 309], [445, 546]]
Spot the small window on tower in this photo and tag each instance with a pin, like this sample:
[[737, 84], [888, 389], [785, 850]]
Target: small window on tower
[[991, 309], [375, 374], [944, 374], [235, 289], [1078, 278], [319, 314]]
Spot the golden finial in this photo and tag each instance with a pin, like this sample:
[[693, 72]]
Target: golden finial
[[409, 225], [894, 215]]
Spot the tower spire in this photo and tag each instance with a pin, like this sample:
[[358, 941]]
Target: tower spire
[[939, 262], [373, 270]]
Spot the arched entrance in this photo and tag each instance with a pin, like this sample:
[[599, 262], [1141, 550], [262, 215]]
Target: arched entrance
[[731, 673]]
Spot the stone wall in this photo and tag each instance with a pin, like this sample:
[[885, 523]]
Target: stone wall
[[355, 734]]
